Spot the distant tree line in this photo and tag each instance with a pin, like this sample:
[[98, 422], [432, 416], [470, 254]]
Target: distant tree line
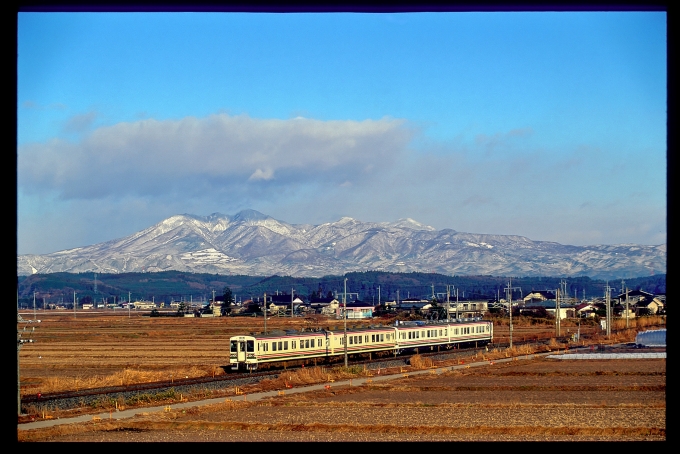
[[170, 286]]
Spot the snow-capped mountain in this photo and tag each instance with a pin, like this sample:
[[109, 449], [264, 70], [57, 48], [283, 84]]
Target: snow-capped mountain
[[252, 243]]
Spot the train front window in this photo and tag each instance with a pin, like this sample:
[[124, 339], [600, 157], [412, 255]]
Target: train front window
[[250, 346], [234, 346]]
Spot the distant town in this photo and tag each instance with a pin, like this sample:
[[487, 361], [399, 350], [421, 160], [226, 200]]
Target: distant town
[[354, 296]]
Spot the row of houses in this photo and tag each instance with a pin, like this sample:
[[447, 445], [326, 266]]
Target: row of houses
[[535, 303], [633, 304], [332, 307]]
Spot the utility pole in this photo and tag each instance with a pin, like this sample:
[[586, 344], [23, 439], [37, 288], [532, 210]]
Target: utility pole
[[508, 292], [557, 313], [344, 302], [626, 307], [457, 304], [129, 302], [34, 316], [265, 312], [74, 304], [608, 313], [292, 292], [448, 306]]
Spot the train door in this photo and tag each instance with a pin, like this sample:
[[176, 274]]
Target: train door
[[237, 352], [241, 353]]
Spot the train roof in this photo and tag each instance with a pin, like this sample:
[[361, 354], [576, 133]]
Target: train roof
[[401, 324]]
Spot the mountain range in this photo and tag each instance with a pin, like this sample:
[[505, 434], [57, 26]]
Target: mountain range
[[252, 243]]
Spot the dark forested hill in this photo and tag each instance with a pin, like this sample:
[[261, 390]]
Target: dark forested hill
[[170, 286]]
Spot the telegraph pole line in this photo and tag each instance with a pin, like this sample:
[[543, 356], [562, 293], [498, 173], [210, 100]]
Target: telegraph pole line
[[20, 341]]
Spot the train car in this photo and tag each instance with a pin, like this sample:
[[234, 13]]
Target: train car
[[247, 352]]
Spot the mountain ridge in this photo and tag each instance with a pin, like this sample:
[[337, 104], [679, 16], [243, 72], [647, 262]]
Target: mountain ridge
[[252, 243]]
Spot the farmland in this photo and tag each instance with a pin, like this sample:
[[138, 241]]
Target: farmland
[[538, 399]]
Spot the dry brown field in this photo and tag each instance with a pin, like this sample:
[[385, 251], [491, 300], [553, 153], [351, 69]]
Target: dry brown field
[[88, 349], [538, 399], [530, 400]]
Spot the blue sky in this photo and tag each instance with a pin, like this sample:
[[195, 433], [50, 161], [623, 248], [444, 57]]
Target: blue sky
[[545, 125]]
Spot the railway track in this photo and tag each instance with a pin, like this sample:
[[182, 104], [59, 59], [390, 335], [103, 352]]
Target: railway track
[[95, 396]]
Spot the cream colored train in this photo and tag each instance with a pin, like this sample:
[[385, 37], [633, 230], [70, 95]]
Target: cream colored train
[[247, 352]]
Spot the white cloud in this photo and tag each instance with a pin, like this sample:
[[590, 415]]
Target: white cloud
[[144, 156], [260, 174]]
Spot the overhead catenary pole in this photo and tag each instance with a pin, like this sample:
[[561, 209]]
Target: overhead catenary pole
[[265, 312], [292, 292], [129, 302], [74, 304]]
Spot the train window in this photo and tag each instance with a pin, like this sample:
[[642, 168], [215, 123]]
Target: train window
[[366, 339], [319, 343], [234, 346], [382, 338], [351, 340], [293, 344], [359, 338], [273, 346], [285, 345], [372, 337], [250, 346], [280, 345]]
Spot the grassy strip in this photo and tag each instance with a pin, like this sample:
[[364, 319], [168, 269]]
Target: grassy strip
[[346, 428]]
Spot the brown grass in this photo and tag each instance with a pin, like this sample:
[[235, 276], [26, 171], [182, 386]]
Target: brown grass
[[612, 432], [418, 362]]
